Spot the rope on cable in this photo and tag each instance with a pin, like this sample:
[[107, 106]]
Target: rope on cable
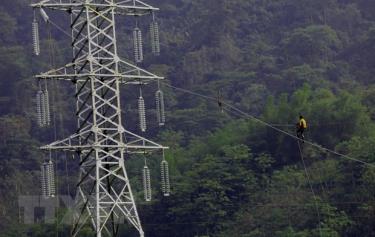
[[49, 169], [60, 28], [247, 115], [54, 110], [310, 124], [311, 188], [238, 111]]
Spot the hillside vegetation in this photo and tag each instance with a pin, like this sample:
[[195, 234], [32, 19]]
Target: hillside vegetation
[[230, 175]]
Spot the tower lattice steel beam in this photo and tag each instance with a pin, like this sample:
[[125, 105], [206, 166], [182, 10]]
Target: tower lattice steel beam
[[104, 192]]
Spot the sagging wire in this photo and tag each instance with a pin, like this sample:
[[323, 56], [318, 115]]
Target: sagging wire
[[247, 115]]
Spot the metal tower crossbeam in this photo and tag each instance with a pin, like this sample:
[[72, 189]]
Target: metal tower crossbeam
[[127, 74], [128, 7], [135, 144], [101, 142]]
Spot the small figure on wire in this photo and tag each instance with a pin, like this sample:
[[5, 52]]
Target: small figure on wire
[[220, 101], [301, 127]]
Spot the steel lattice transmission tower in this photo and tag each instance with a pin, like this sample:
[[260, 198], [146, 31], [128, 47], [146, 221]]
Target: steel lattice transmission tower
[[104, 191]]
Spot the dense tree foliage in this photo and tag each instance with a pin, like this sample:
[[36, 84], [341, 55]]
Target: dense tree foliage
[[231, 176]]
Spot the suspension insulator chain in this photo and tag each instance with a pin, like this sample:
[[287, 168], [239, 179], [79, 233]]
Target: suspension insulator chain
[[47, 113], [160, 111], [155, 38], [43, 108], [165, 184], [48, 179], [39, 105], [138, 45], [142, 114], [147, 183], [36, 40]]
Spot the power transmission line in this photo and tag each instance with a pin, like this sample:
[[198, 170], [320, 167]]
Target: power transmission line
[[247, 115]]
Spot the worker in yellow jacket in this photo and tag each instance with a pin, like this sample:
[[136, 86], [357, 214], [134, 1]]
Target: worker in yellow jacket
[[301, 126]]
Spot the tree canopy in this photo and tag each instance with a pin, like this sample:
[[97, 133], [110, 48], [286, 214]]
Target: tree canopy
[[230, 176]]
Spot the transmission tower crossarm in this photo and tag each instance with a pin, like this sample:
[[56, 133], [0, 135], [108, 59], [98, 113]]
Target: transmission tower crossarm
[[127, 73], [130, 7], [134, 143]]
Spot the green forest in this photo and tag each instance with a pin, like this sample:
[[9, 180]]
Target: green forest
[[230, 174]]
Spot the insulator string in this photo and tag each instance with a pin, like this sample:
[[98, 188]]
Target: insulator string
[[138, 45], [48, 178], [39, 103], [43, 108], [146, 183], [142, 112], [155, 37], [160, 110], [165, 184], [35, 35], [46, 108]]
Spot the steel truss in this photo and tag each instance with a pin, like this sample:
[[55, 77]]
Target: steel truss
[[101, 142]]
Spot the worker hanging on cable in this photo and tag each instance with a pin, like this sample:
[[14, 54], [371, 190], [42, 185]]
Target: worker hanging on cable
[[301, 126], [220, 101]]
